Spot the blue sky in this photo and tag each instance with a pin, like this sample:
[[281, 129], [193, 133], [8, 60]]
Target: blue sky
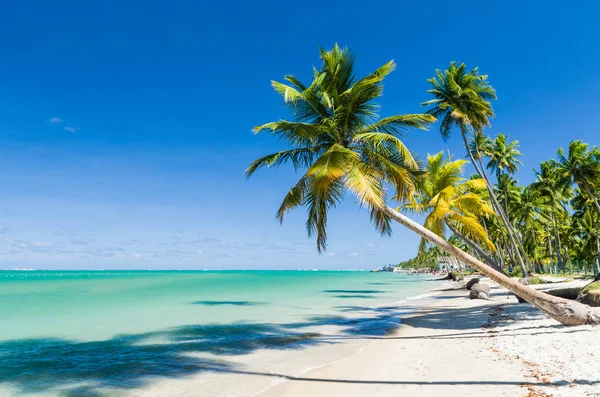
[[125, 126]]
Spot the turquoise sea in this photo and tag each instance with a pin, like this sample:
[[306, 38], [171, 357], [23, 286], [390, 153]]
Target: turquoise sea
[[94, 333]]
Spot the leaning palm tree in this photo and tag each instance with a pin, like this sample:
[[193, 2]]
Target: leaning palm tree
[[336, 137], [340, 148], [451, 202], [461, 99]]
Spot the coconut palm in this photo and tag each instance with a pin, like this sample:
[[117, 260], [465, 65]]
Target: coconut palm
[[581, 166], [461, 99], [548, 184], [336, 141], [480, 145], [586, 226], [504, 163], [528, 210], [504, 156], [452, 202], [336, 138]]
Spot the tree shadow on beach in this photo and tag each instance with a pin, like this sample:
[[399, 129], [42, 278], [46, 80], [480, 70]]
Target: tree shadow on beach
[[467, 322], [86, 369]]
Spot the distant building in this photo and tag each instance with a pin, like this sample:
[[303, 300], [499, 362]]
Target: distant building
[[450, 263]]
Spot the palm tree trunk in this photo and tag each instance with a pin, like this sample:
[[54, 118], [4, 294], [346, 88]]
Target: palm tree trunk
[[516, 233], [500, 254], [509, 251], [550, 246], [535, 258], [478, 249], [564, 311], [498, 207], [598, 249], [498, 249], [559, 254]]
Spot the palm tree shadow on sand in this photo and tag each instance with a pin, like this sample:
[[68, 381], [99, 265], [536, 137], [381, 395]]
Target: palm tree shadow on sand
[[73, 368], [86, 369]]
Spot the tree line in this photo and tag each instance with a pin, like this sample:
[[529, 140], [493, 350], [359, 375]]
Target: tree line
[[341, 147]]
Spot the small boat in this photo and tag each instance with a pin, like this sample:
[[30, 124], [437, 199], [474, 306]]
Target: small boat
[[386, 268]]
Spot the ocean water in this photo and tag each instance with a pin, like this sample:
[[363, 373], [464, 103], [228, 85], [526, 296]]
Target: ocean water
[[95, 333]]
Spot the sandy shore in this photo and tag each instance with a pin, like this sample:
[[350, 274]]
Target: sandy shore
[[459, 347]]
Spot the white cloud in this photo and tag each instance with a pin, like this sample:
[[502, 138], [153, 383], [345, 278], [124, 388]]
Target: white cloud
[[55, 120], [40, 244], [370, 245], [355, 254], [200, 252], [71, 129], [330, 254]]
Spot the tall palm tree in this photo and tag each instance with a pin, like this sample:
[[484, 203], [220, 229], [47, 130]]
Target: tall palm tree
[[504, 162], [480, 145], [586, 225], [334, 138], [508, 193], [581, 166], [452, 202], [504, 156], [549, 184], [461, 99], [528, 212]]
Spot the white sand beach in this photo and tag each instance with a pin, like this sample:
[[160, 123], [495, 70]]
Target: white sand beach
[[449, 346], [455, 346]]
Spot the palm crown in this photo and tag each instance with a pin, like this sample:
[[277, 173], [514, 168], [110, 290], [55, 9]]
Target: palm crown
[[450, 200], [580, 164], [461, 99], [504, 156], [339, 143]]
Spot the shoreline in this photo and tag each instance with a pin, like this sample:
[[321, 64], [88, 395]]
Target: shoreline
[[431, 341], [455, 346], [257, 374], [416, 358]]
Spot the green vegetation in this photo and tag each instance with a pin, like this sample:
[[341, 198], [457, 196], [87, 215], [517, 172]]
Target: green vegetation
[[536, 281], [489, 225]]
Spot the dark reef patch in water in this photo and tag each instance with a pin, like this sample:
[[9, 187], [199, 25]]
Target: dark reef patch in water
[[353, 291], [229, 303]]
